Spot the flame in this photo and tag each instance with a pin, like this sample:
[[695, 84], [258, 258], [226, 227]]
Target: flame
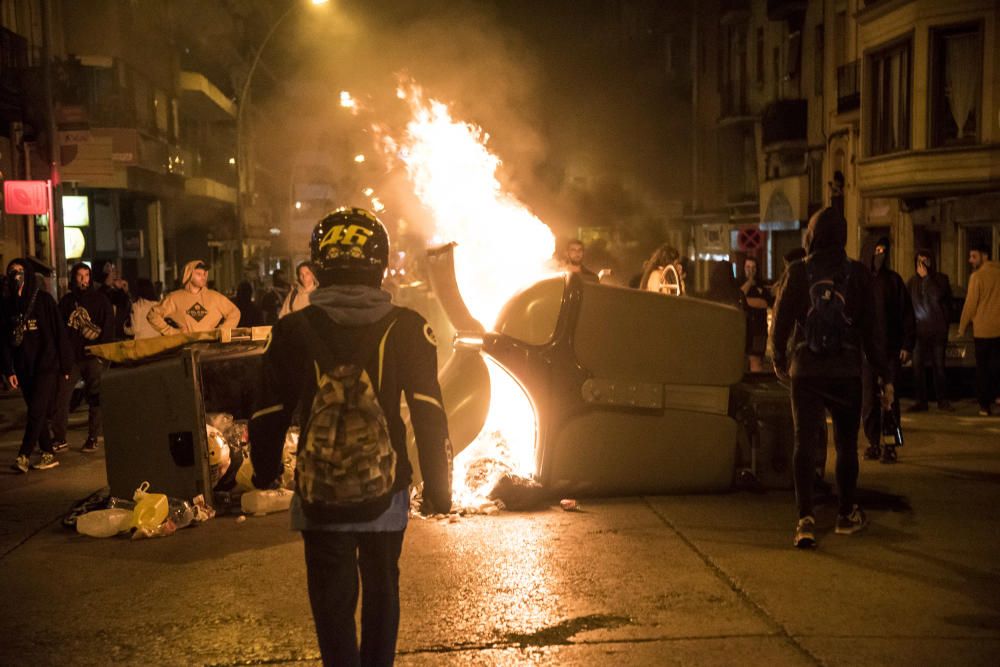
[[506, 443], [502, 246]]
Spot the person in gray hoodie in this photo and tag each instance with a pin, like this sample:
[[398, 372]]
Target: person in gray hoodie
[[351, 322]]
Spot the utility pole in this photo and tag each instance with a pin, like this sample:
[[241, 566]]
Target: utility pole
[[57, 245]]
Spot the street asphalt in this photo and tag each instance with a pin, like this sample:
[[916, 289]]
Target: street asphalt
[[681, 580]]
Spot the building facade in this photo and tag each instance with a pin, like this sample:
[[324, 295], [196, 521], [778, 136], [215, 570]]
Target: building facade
[[800, 104]]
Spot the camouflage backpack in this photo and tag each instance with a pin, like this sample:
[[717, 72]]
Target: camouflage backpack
[[345, 455]]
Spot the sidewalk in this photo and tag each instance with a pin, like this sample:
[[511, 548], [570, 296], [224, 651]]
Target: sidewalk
[[698, 580]]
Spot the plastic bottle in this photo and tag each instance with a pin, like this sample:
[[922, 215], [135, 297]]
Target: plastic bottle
[[181, 513], [265, 502], [104, 523], [150, 508]]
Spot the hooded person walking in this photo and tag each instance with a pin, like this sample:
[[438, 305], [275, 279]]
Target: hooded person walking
[[298, 296], [90, 320], [36, 354], [194, 307], [827, 311], [893, 300]]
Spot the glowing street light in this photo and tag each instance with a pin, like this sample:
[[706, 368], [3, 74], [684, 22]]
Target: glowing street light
[[359, 158], [298, 206]]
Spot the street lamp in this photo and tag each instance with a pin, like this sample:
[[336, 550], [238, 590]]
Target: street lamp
[[241, 102]]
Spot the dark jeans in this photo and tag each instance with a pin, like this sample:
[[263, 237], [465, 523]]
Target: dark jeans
[[930, 349], [39, 393], [90, 370], [332, 564], [987, 370], [811, 398], [871, 407]]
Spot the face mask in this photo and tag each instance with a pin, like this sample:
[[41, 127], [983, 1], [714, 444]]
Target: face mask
[[17, 278]]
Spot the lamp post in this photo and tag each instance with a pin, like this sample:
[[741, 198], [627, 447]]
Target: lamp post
[[242, 102]]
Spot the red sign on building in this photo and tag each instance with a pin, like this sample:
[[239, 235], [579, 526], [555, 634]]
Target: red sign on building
[[26, 197]]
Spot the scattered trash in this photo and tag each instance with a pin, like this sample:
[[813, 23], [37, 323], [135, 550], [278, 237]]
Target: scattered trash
[[518, 493], [568, 504], [104, 523], [151, 509], [259, 502], [241, 518]]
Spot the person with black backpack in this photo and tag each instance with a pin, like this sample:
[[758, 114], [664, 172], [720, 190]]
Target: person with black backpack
[[338, 368], [826, 308]]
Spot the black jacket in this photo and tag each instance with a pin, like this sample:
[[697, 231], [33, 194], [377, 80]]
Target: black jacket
[[97, 306], [931, 297], [894, 298], [404, 360], [45, 347], [825, 241]]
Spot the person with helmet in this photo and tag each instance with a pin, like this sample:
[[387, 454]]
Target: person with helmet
[[194, 307], [351, 320]]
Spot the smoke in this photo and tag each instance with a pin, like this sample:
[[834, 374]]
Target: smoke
[[578, 140]]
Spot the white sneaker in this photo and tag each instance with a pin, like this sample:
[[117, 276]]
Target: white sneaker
[[20, 464]]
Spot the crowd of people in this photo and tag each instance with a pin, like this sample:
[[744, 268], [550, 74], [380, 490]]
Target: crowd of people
[[44, 347]]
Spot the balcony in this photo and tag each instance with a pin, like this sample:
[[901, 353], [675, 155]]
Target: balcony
[[784, 125], [201, 99], [786, 10], [849, 87]]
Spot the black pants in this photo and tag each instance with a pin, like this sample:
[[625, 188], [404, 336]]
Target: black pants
[[39, 393], [987, 370], [332, 564], [871, 407], [930, 349], [811, 398], [90, 370]]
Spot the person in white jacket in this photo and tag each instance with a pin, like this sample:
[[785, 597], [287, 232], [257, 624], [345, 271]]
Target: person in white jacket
[[298, 296], [145, 298]]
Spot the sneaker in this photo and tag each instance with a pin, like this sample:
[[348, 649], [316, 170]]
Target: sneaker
[[851, 523], [945, 406], [889, 455], [90, 446], [984, 413], [805, 533], [873, 453], [47, 461], [59, 445], [20, 464], [917, 407]]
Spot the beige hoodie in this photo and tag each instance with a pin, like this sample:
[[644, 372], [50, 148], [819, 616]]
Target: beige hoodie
[[982, 302], [203, 310]]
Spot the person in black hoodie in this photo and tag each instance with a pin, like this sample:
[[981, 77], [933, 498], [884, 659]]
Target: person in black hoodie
[[827, 376], [930, 292], [90, 320], [35, 355], [893, 299], [250, 313], [350, 319]]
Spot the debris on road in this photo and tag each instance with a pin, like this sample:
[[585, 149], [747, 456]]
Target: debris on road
[[568, 504]]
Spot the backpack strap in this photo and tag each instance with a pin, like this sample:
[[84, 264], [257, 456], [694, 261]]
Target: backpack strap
[[318, 321]]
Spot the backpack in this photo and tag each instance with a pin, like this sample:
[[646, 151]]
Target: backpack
[[827, 323], [345, 456]]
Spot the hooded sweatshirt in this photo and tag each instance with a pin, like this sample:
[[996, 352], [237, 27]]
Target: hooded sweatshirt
[[931, 297], [982, 302], [297, 299], [45, 347], [188, 311], [894, 297], [824, 242], [97, 307], [402, 360]]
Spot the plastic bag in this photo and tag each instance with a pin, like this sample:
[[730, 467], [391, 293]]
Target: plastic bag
[[265, 502], [104, 523]]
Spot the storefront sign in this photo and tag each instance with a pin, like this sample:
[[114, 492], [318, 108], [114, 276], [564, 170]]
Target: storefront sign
[[26, 197]]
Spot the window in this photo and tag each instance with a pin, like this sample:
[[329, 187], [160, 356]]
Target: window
[[760, 57], [819, 56], [889, 85], [956, 76], [734, 71]]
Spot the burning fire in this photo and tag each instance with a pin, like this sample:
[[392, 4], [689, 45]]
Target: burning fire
[[502, 246], [506, 443]]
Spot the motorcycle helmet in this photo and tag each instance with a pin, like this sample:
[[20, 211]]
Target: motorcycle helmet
[[350, 246]]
